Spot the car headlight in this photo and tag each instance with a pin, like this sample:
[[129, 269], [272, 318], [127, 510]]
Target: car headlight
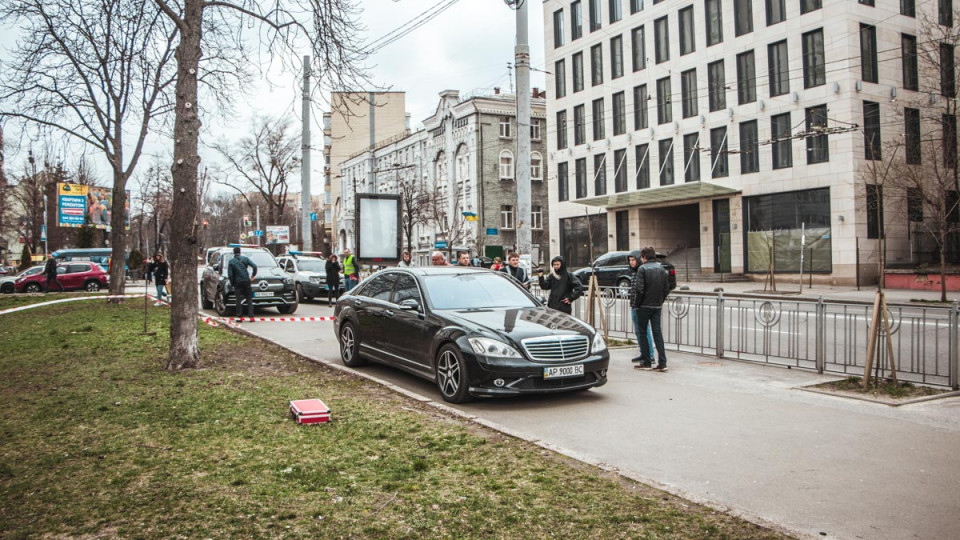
[[315, 279], [493, 347], [598, 344]]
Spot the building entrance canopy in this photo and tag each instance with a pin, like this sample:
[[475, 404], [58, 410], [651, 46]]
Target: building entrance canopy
[[659, 195]]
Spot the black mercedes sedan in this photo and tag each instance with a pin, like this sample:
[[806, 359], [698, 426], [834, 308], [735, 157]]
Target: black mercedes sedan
[[473, 331]]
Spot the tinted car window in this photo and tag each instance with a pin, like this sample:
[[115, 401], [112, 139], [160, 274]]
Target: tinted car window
[[312, 265], [618, 260], [604, 260], [474, 290], [290, 266], [406, 289], [379, 287], [77, 268], [263, 259]]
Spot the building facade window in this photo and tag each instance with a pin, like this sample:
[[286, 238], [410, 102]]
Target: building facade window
[[581, 174], [948, 122], [688, 93], [577, 72], [558, 28], [596, 64], [814, 61], [640, 100], [642, 174], [595, 17], [616, 57], [560, 78], [915, 204], [563, 181], [818, 150], [638, 51], [742, 17], [600, 174], [714, 18], [619, 113], [871, 3], [535, 130], [561, 130], [665, 150], [579, 125], [616, 12], [505, 132], [598, 124], [536, 166], [948, 84], [661, 38], [746, 78], [868, 53], [636, 6], [536, 217], [945, 12], [871, 130], [782, 143], [911, 130], [687, 32], [908, 8], [716, 80], [719, 167], [620, 170], [691, 157], [506, 165], [806, 6], [506, 217], [749, 148], [908, 56], [779, 68], [576, 20], [776, 11], [664, 105], [874, 211], [781, 216]]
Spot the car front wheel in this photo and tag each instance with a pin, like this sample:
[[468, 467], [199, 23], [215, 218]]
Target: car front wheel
[[452, 377], [92, 286], [206, 304], [220, 303], [32, 288], [350, 346]]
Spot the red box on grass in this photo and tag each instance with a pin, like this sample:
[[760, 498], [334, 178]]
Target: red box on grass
[[310, 411]]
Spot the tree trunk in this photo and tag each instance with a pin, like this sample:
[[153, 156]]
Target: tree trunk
[[118, 234], [184, 352]]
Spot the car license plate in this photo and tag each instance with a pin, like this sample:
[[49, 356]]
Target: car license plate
[[262, 294], [557, 372]]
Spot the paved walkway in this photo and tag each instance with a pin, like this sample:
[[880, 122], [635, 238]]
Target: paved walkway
[[829, 292]]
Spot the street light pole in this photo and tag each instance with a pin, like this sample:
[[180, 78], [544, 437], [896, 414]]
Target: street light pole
[[522, 64]]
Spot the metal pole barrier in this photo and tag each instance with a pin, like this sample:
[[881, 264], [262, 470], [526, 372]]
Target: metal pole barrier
[[720, 302], [821, 330], [954, 356]]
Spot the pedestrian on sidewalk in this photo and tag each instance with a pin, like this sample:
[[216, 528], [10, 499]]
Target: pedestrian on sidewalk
[[438, 259], [564, 287], [405, 261], [50, 270], [333, 269], [350, 275], [159, 271], [514, 270], [240, 280], [633, 259], [651, 285]]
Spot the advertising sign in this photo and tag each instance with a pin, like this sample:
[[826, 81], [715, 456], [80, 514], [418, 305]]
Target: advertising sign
[[79, 205], [278, 234], [378, 238]]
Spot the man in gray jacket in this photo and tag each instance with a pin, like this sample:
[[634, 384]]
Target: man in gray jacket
[[651, 285]]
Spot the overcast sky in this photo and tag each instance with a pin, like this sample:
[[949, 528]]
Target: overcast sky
[[466, 48]]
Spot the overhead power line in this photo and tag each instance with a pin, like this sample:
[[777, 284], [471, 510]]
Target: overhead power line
[[409, 26]]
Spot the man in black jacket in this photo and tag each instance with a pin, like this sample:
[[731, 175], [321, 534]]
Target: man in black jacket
[[564, 287], [651, 285], [50, 270], [514, 270], [240, 280]]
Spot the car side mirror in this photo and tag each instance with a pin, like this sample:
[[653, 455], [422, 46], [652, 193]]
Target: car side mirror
[[216, 268], [410, 304]]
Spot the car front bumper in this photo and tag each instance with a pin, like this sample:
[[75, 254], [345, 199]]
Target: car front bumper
[[311, 288]]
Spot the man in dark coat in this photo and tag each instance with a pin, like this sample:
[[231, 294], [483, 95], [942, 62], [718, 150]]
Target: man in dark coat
[[333, 269], [50, 270], [633, 259], [514, 270], [564, 287], [240, 280], [650, 289], [159, 270]]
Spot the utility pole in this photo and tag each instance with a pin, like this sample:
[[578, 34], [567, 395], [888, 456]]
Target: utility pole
[[305, 206], [523, 132], [258, 227]]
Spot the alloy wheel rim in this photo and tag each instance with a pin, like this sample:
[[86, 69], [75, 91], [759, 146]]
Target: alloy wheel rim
[[221, 303], [448, 371], [346, 342]]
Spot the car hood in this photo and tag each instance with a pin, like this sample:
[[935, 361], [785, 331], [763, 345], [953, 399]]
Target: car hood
[[8, 279], [308, 275], [518, 323]]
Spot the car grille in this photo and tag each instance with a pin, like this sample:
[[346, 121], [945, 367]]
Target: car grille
[[557, 348], [539, 383]]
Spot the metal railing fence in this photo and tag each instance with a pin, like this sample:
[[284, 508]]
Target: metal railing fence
[[825, 336]]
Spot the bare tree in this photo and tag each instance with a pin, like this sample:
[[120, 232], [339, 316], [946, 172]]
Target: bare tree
[[415, 208], [266, 161], [97, 72], [284, 27], [454, 228]]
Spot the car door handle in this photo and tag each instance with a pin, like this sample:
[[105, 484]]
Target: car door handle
[[388, 313]]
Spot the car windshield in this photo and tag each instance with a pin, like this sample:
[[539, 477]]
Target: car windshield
[[474, 290], [262, 259], [312, 266]]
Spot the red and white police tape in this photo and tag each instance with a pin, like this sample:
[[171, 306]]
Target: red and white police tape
[[62, 300]]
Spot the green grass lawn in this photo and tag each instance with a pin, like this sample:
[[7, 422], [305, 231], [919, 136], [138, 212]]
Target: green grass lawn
[[100, 441]]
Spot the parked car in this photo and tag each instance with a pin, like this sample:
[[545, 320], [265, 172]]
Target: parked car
[[8, 283], [309, 275], [73, 276], [473, 332], [271, 288], [613, 270]]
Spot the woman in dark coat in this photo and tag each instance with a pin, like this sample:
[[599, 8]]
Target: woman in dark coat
[[333, 270], [564, 287]]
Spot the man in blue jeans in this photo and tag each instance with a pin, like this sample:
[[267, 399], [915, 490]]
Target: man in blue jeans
[[651, 285], [633, 259]]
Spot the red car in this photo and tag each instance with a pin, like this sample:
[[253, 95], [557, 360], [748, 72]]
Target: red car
[[78, 275]]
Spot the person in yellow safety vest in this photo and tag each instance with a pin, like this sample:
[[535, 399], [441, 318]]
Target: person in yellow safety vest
[[349, 270]]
